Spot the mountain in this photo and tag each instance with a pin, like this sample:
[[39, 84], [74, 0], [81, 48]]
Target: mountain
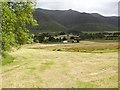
[[45, 23], [72, 21]]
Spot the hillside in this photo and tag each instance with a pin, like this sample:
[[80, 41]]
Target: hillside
[[46, 23], [72, 21]]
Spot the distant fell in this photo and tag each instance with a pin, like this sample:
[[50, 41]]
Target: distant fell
[[72, 21]]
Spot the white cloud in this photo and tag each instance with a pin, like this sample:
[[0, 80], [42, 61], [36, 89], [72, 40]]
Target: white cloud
[[104, 7]]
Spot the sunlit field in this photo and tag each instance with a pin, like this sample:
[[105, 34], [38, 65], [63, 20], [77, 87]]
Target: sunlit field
[[88, 64]]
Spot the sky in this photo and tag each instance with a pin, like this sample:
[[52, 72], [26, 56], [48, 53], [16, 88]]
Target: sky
[[103, 7]]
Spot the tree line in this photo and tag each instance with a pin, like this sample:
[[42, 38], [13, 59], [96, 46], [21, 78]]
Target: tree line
[[47, 37]]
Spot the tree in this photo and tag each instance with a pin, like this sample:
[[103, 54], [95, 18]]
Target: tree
[[72, 37], [15, 17], [62, 33], [52, 39], [8, 20], [64, 38]]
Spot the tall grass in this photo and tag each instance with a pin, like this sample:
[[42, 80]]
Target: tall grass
[[6, 58]]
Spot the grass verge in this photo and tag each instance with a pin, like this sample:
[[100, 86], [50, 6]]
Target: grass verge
[[6, 58]]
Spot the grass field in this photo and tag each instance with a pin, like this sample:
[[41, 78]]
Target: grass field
[[87, 64]]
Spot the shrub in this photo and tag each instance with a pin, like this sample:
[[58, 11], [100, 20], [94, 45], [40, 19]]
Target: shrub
[[54, 49], [59, 50], [36, 41]]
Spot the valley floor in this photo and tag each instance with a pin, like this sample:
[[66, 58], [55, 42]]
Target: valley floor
[[41, 66]]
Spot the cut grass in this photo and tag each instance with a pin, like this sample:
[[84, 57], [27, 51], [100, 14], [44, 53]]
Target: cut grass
[[46, 64], [6, 58], [83, 46], [92, 47], [77, 49], [91, 50], [102, 82], [34, 67], [81, 84]]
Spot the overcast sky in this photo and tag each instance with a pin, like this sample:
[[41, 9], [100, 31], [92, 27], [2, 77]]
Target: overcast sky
[[104, 7]]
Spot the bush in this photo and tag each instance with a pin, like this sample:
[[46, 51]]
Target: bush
[[36, 41], [59, 50], [54, 49]]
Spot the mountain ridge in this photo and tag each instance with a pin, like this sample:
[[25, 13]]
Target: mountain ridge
[[71, 20]]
